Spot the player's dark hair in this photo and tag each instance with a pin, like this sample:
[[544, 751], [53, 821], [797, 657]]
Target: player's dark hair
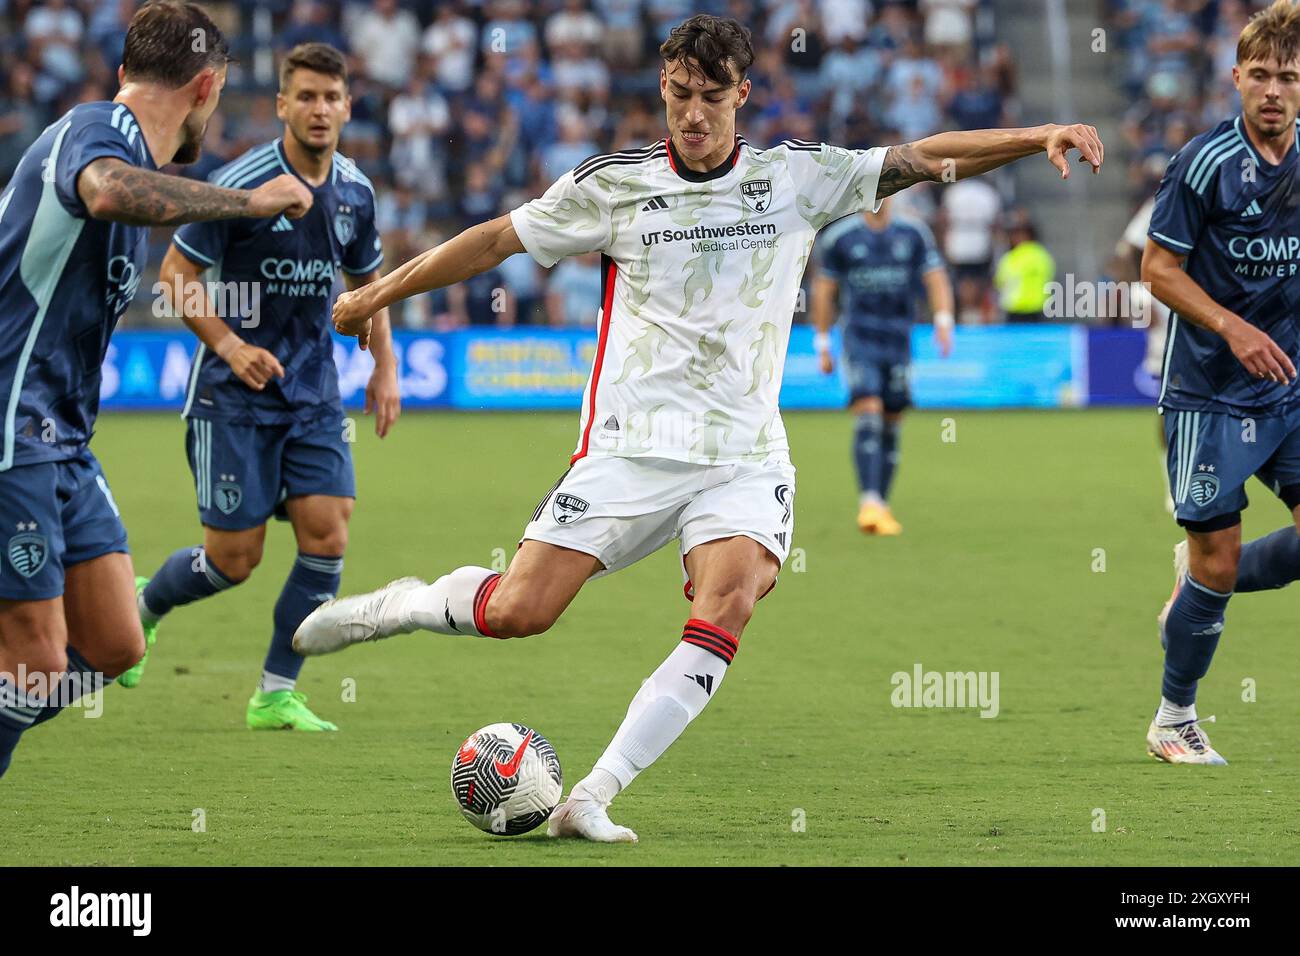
[[1272, 35], [317, 57], [169, 43], [717, 47]]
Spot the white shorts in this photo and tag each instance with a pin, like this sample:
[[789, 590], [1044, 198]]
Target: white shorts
[[620, 510]]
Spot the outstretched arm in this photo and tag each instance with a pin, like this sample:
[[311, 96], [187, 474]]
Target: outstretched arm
[[477, 249], [946, 157], [120, 192]]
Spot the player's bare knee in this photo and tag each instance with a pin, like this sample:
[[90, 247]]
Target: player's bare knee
[[236, 563], [325, 542], [512, 614], [118, 652], [729, 607], [37, 653], [870, 405], [1217, 569]]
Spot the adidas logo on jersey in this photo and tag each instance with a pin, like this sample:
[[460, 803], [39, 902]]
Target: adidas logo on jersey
[[611, 424], [655, 204], [282, 225], [1252, 210]]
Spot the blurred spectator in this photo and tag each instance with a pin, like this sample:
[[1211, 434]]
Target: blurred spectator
[[1023, 273], [970, 210], [418, 118], [573, 23], [573, 294], [21, 121], [451, 40], [386, 38], [309, 22]]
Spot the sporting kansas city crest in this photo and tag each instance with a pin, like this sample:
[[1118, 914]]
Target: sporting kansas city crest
[[345, 224], [228, 494], [1203, 486], [757, 194], [28, 550], [568, 508]]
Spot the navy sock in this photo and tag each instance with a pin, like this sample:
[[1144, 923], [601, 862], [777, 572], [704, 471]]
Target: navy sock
[[889, 456], [79, 679], [1192, 629], [1272, 561], [866, 452], [16, 715], [186, 576], [313, 581]]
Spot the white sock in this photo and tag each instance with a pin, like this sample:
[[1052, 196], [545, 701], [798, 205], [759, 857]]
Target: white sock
[[146, 616], [668, 700], [1171, 713], [273, 682], [446, 606], [870, 498]]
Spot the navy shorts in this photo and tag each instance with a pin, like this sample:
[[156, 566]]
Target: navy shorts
[[1212, 454], [244, 473], [53, 515], [873, 374]]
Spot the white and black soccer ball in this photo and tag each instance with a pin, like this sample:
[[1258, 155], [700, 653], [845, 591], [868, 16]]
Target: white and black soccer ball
[[506, 778]]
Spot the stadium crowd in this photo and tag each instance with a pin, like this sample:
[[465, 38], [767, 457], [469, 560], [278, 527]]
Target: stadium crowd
[[462, 109]]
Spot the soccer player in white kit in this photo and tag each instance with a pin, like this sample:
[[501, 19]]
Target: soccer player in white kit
[[704, 240]]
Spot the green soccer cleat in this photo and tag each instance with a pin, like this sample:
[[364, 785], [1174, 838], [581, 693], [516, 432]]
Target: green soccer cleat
[[283, 710], [131, 676]]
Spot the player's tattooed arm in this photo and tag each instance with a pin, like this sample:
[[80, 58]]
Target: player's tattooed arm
[[116, 191], [948, 157]]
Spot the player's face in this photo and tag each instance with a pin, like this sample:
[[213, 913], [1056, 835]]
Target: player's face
[[1270, 95], [701, 114], [314, 107], [195, 125]]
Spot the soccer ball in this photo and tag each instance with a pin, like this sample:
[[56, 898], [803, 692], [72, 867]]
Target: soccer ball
[[506, 778]]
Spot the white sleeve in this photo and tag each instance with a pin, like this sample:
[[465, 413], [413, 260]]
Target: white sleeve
[[834, 182], [570, 219]]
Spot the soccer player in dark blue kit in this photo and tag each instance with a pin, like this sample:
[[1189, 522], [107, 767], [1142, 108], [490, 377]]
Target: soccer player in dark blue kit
[[73, 238], [875, 267], [1223, 252], [265, 430]]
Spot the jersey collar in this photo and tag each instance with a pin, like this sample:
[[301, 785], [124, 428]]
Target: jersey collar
[[690, 175], [288, 167]]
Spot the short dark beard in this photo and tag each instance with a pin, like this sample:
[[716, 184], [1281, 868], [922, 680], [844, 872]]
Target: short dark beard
[[191, 147], [310, 148]]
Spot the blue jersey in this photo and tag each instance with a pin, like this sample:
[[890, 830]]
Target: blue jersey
[[277, 279], [1237, 220], [65, 279], [879, 274]]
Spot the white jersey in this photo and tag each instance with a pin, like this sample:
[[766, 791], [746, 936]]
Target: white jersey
[[700, 280]]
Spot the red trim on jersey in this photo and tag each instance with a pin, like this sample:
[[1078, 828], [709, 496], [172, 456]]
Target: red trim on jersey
[[668, 142], [607, 306], [480, 604]]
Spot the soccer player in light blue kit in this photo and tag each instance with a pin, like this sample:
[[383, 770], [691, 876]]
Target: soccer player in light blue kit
[[875, 267], [266, 434], [74, 225], [1223, 251]]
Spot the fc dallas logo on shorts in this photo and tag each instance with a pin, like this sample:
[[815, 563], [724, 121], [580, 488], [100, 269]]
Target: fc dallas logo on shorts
[[568, 508]]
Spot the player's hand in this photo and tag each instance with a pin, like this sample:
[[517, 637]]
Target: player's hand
[[1061, 139], [943, 336], [1258, 353], [283, 194], [254, 366], [352, 316], [826, 363], [383, 395]]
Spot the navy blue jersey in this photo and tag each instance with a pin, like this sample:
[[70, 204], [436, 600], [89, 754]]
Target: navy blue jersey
[[1237, 220], [288, 267], [64, 281], [879, 274]]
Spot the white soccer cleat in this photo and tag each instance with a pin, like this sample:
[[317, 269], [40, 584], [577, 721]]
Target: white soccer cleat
[[587, 820], [1180, 574], [350, 620], [1182, 743]]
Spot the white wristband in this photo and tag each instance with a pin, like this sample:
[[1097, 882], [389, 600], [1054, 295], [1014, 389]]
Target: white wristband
[[822, 341], [943, 320], [228, 346]]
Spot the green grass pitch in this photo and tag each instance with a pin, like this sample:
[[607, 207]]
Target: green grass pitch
[[999, 570]]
